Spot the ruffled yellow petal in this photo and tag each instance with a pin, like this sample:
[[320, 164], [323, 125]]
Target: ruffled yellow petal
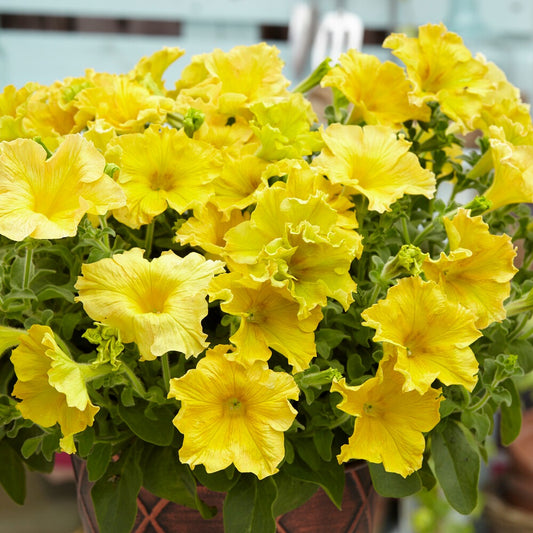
[[389, 422], [478, 270], [378, 91], [373, 162], [46, 199], [431, 334], [233, 414], [158, 304], [51, 385], [269, 319]]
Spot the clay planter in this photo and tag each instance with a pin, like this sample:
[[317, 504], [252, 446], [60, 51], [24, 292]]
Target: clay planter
[[361, 512]]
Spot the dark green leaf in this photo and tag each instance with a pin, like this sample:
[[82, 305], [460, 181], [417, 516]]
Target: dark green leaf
[[391, 485], [291, 493], [12, 474], [478, 422], [457, 464], [248, 506], [167, 478], [31, 446], [218, 481], [323, 439], [511, 419], [85, 441], [115, 496], [98, 460], [49, 292], [159, 432], [330, 476]]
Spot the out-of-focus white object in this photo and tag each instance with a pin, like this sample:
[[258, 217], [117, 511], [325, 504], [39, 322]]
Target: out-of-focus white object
[[302, 28], [338, 31]]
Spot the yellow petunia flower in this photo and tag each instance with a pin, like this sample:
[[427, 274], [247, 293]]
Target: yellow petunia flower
[[296, 244], [13, 103], [442, 68], [159, 304], [161, 168], [121, 103], [478, 271], [370, 160], [379, 92], [51, 385], [233, 414], [269, 319], [207, 229], [241, 178], [390, 422], [235, 79], [513, 173], [283, 126], [149, 70], [46, 199], [427, 333]]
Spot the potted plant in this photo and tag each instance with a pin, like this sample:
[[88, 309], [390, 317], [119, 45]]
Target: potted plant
[[202, 287]]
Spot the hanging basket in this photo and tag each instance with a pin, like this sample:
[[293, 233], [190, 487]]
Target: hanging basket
[[362, 509]]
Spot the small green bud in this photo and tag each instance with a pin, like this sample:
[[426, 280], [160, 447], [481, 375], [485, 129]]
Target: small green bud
[[192, 121], [408, 261], [478, 205]]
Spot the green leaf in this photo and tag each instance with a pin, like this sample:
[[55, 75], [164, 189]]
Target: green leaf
[[31, 446], [85, 441], [479, 422], [248, 506], [98, 460], [330, 476], [218, 481], [457, 464], [12, 474], [292, 493], [167, 478], [392, 485], [323, 439], [511, 415], [159, 431], [50, 292], [115, 495]]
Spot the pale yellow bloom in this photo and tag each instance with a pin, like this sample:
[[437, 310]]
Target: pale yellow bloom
[[269, 319], [390, 422], [477, 272], [233, 414], [149, 70], [159, 304], [46, 199], [427, 333], [51, 385], [379, 92], [162, 167], [370, 160]]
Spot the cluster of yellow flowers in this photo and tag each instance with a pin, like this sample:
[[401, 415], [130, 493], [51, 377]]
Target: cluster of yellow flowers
[[269, 217]]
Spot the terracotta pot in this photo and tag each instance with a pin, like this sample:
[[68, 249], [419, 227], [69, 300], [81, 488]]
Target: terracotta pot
[[362, 509]]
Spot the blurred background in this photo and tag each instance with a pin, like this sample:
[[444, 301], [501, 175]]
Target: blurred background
[[48, 40]]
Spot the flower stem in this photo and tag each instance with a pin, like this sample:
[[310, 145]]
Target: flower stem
[[149, 238], [28, 263], [165, 367], [135, 381]]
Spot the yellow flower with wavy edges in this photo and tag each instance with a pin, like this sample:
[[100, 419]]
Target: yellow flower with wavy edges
[[269, 319], [12, 110], [161, 168], [513, 173], [51, 385], [207, 229], [46, 199], [283, 126], [371, 161], [380, 92], [390, 422], [235, 79], [159, 304], [478, 270], [233, 414], [149, 70], [427, 333], [296, 244], [121, 103], [442, 68], [239, 181]]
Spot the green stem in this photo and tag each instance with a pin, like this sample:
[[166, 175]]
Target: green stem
[[405, 231], [165, 367], [481, 402], [149, 238], [138, 387], [103, 225], [28, 263]]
